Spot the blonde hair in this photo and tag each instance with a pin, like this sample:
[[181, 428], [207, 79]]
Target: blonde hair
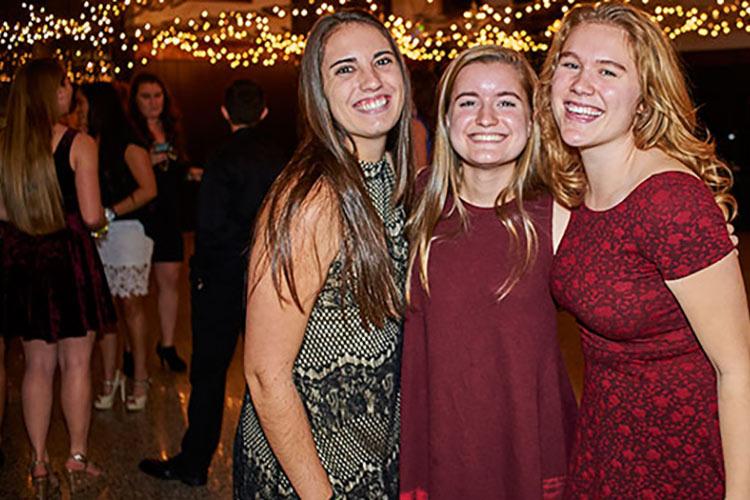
[[28, 182], [666, 118], [446, 175]]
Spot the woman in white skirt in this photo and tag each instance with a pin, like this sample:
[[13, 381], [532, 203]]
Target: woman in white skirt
[[127, 184]]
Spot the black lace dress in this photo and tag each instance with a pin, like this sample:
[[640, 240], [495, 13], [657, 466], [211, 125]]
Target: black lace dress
[[348, 379]]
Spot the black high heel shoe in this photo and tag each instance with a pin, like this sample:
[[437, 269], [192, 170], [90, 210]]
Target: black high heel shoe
[[169, 355]]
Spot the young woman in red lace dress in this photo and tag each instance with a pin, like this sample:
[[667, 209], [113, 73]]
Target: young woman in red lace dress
[[646, 266]]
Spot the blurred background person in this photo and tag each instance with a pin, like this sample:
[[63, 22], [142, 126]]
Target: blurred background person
[[55, 294], [234, 184], [127, 184], [154, 118]]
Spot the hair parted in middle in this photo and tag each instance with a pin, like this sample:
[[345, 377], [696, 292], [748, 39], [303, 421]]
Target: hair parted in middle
[[326, 156], [446, 173], [667, 120]]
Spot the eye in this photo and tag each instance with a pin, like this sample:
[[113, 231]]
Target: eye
[[506, 103], [384, 61], [607, 72], [466, 103], [569, 64], [342, 70]]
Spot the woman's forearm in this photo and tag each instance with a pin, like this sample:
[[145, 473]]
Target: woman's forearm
[[134, 201], [734, 421], [284, 421]]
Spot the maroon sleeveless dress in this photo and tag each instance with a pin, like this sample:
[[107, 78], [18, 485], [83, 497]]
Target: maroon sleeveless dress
[[487, 410], [53, 286], [648, 424]]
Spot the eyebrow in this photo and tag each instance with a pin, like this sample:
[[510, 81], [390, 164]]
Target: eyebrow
[[354, 59], [499, 94], [599, 61]]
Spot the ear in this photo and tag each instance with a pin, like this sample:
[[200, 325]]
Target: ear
[[263, 114], [225, 114]]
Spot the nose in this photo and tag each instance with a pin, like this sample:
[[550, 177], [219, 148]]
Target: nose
[[369, 79], [486, 116], [581, 83]]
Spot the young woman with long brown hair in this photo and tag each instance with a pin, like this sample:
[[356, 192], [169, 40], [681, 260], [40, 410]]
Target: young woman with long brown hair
[[326, 277], [155, 119], [487, 408], [54, 292], [646, 266], [127, 184]]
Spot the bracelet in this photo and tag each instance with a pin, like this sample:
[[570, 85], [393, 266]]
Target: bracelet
[[109, 214]]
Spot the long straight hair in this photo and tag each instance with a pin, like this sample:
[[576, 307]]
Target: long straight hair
[[322, 157], [28, 181], [446, 175], [668, 118]]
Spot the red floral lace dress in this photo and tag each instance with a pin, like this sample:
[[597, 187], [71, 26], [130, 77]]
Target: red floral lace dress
[[648, 423]]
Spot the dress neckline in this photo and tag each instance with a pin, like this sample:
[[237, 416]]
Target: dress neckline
[[633, 191]]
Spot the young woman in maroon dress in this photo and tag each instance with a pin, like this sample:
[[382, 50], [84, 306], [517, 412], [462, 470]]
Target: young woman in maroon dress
[[53, 292], [487, 408], [646, 266]]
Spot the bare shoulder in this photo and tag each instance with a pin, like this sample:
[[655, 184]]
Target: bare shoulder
[[657, 161], [83, 144], [136, 152]]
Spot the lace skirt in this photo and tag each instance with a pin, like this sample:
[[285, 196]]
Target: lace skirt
[[126, 254]]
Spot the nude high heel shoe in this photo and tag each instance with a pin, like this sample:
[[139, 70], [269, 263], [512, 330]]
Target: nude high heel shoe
[[138, 403], [105, 400]]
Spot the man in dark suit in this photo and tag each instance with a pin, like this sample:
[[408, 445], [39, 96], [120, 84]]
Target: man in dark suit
[[234, 183]]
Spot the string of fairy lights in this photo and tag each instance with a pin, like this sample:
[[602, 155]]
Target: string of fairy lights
[[102, 42]]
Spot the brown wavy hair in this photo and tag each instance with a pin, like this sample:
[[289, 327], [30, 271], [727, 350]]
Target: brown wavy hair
[[667, 119], [29, 189], [446, 175], [322, 160]]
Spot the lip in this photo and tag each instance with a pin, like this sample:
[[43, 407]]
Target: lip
[[581, 113], [373, 105]]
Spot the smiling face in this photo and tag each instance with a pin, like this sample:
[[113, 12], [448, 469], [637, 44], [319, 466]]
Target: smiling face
[[595, 88], [363, 84], [489, 115], [150, 99]]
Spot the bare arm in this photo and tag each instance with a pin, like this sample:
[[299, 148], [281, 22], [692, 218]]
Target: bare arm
[[84, 160], [715, 303], [139, 163], [274, 332], [560, 219]]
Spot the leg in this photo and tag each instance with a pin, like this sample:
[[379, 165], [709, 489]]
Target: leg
[[2, 386], [134, 314], [75, 394], [36, 393], [217, 317], [167, 276]]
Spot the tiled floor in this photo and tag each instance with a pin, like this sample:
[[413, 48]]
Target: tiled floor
[[120, 439]]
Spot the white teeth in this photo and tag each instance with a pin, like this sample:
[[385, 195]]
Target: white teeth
[[583, 110], [486, 137], [373, 104]]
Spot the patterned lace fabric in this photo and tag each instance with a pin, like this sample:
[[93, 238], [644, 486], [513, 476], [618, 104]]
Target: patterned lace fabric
[[348, 379], [128, 281]]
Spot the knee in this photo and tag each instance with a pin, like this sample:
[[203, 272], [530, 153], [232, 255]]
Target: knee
[[42, 365], [132, 307], [75, 363]]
